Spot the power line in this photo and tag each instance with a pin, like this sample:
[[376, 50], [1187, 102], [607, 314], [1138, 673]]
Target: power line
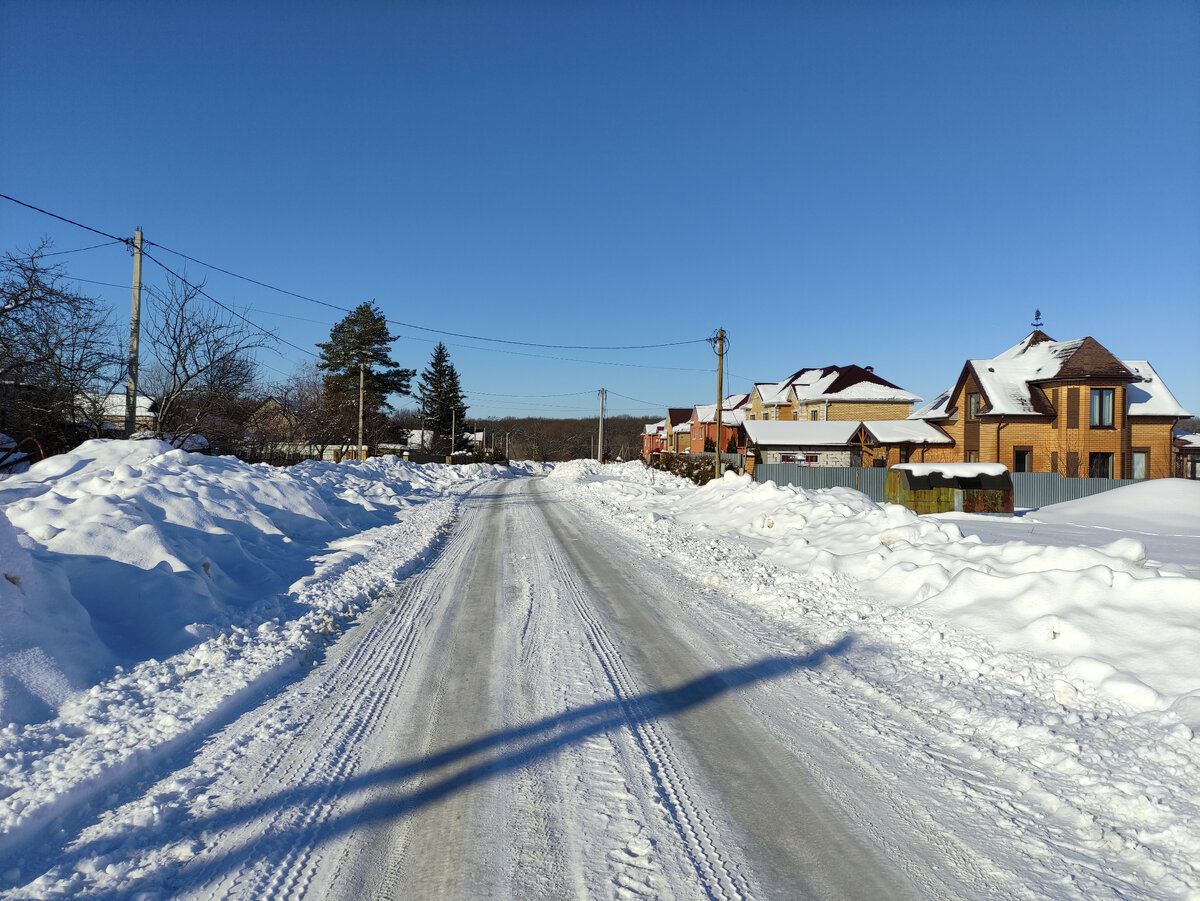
[[38, 209], [224, 307], [59, 253]]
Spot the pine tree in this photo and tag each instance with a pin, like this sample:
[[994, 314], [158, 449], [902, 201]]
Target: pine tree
[[440, 400], [362, 338]]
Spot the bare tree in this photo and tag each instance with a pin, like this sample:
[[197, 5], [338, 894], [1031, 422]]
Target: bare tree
[[60, 356], [201, 372]]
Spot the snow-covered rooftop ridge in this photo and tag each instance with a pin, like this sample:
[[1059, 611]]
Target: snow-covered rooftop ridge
[[954, 470]]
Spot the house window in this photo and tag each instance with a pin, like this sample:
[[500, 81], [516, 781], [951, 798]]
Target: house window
[[972, 406], [795, 414], [814, 415], [1102, 408], [905, 453], [810, 458], [1054, 404], [1140, 468], [1022, 459], [1100, 466], [972, 457]]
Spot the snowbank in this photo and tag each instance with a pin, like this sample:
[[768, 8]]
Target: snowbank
[[127, 551], [1101, 615]]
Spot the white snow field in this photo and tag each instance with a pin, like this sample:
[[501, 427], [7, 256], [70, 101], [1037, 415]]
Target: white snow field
[[382, 680]]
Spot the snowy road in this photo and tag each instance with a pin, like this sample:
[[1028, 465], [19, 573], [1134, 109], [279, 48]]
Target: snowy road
[[550, 709], [521, 721]]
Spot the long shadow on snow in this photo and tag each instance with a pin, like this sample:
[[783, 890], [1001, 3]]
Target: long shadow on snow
[[513, 749]]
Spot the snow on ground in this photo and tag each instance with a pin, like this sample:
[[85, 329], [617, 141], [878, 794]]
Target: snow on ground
[[1071, 672], [147, 591]]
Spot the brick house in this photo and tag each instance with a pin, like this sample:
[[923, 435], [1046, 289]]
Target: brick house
[[1069, 407], [834, 393], [654, 439], [677, 433], [703, 425]]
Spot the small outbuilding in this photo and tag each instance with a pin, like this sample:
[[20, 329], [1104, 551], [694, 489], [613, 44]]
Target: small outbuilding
[[946, 487]]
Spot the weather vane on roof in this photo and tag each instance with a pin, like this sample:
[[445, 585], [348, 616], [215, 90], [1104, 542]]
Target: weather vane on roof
[[1037, 319]]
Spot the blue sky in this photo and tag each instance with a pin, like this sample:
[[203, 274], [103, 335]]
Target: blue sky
[[896, 185]]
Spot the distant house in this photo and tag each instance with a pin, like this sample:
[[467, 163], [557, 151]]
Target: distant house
[[678, 431], [653, 439], [829, 393], [1069, 407], [702, 427], [1187, 455]]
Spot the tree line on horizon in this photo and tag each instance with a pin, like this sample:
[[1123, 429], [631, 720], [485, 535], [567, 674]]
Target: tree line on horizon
[[63, 360]]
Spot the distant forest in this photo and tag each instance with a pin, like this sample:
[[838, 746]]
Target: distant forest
[[554, 440]]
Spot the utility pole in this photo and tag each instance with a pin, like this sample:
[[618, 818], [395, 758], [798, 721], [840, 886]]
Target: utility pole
[[453, 428], [600, 438], [362, 378], [135, 328], [720, 345]]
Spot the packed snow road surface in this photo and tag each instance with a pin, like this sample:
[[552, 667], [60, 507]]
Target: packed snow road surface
[[563, 688]]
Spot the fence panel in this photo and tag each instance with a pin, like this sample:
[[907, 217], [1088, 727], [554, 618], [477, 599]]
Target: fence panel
[[1030, 489], [1040, 489], [868, 480]]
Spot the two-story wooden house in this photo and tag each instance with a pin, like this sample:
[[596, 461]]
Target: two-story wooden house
[[1069, 407], [830, 393]]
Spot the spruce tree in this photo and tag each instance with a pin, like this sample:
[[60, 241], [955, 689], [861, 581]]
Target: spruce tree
[[362, 338], [441, 400]]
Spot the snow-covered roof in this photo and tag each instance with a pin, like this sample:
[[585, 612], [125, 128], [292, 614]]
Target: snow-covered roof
[[805, 433], [954, 470], [905, 431], [935, 409], [654, 428], [683, 427], [1182, 440], [113, 405], [708, 413], [1010, 382], [1150, 396], [834, 383]]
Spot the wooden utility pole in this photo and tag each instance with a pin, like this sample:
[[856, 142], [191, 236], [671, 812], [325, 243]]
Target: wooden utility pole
[[362, 378], [720, 342], [600, 438], [135, 328], [453, 429]]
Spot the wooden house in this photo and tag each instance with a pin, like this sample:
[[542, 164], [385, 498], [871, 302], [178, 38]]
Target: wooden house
[[1069, 407]]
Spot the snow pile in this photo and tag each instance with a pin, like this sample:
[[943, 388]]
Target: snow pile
[[1103, 615], [124, 551]]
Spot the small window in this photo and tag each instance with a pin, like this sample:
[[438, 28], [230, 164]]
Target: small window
[[973, 404], [795, 414], [972, 457], [810, 458], [1022, 459], [1141, 463], [1102, 408], [1100, 466], [814, 415]]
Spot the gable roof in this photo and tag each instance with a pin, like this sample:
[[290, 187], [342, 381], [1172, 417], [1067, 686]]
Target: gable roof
[[1011, 382], [834, 383], [676, 415]]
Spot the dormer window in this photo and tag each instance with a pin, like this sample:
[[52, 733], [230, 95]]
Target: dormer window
[[973, 405]]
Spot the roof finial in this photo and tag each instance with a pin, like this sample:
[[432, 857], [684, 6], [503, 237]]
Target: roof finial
[[1037, 319]]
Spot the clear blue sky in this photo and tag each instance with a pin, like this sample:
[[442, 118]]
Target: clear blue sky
[[897, 185]]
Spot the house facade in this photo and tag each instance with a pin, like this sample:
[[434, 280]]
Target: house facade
[[831, 393], [1069, 407], [702, 427]]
